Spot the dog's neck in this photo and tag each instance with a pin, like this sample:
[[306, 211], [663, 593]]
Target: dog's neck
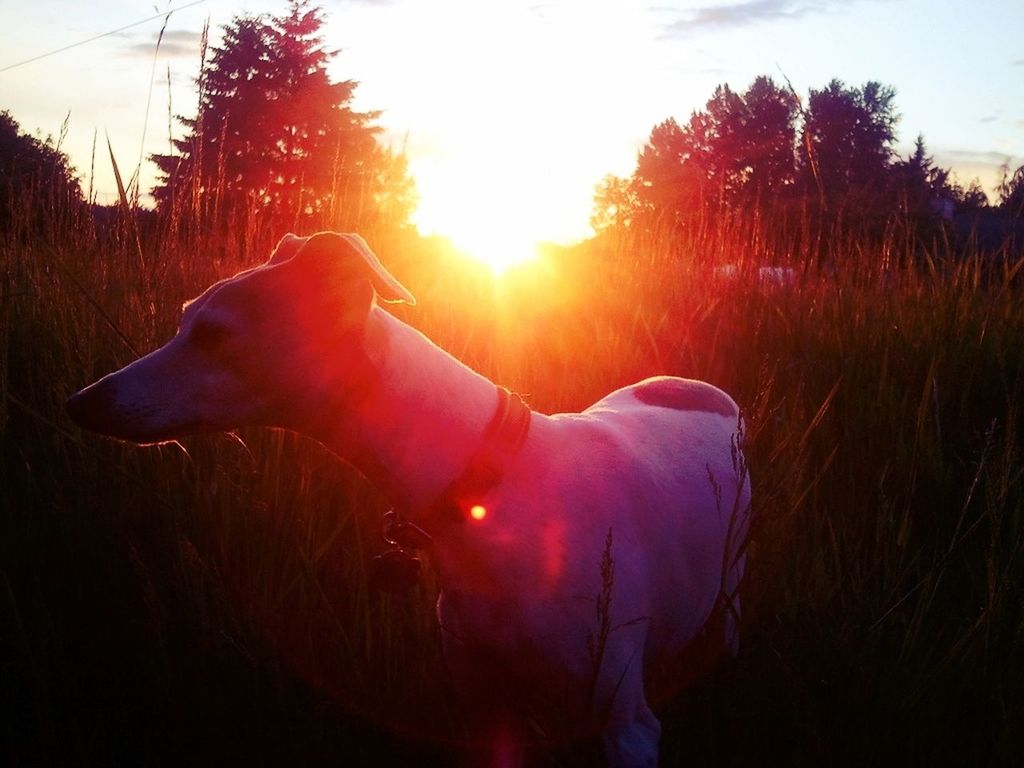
[[417, 427]]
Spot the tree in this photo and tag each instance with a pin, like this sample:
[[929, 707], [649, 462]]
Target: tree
[[746, 141], [736, 153], [918, 184], [660, 181], [37, 181], [1011, 192], [768, 139], [847, 142], [274, 135], [226, 150], [322, 148], [616, 204], [970, 198], [740, 157]]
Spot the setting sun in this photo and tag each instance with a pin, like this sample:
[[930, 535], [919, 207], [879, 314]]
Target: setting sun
[[480, 226], [500, 256], [489, 213], [498, 167]]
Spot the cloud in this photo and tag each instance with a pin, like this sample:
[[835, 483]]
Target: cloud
[[1019, 63], [984, 165], [176, 44], [975, 156], [988, 119], [967, 163], [742, 14]]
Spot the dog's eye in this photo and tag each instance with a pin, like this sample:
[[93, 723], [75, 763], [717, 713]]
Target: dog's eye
[[207, 335]]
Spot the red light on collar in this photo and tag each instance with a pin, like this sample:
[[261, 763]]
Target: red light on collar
[[502, 438]]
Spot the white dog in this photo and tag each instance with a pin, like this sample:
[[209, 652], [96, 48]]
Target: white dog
[[575, 552]]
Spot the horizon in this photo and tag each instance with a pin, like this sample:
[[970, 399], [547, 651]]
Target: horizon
[[569, 112]]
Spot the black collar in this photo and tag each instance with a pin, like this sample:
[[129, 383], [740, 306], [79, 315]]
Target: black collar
[[502, 438]]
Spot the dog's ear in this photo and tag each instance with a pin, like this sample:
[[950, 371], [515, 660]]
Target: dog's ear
[[288, 246], [352, 247]]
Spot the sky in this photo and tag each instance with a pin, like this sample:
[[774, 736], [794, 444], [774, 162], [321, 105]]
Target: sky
[[511, 111]]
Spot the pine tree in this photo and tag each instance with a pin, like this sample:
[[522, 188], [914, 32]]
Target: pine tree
[[224, 158], [275, 137], [918, 184]]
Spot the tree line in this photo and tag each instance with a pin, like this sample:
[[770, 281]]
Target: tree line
[[275, 140], [38, 185], [766, 151]]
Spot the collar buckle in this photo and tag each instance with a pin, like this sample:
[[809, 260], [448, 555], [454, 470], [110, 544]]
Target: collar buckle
[[402, 533], [397, 570]]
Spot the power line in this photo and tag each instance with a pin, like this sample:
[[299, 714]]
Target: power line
[[105, 34]]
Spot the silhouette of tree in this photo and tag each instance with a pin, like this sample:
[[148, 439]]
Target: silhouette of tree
[[847, 145], [224, 156], [737, 152], [37, 181], [394, 193], [918, 184], [662, 183], [615, 204], [316, 135], [769, 138], [275, 136], [739, 157], [970, 198], [1011, 192]]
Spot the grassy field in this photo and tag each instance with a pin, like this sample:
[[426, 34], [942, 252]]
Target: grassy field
[[159, 606]]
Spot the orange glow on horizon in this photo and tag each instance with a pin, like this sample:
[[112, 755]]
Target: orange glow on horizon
[[478, 512], [500, 256], [481, 226]]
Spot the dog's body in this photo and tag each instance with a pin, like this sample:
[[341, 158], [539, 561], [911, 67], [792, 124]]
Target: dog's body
[[606, 542]]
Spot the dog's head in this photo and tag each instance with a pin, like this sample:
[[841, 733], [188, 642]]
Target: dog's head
[[253, 349]]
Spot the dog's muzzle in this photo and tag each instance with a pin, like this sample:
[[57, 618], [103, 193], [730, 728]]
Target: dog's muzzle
[[91, 408]]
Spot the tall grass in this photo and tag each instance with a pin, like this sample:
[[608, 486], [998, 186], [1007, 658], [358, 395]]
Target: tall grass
[[211, 604]]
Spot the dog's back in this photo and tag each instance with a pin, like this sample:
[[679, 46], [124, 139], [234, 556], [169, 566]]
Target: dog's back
[[648, 484], [684, 439]]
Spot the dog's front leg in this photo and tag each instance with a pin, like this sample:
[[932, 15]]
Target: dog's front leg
[[633, 741], [487, 701], [631, 732]]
